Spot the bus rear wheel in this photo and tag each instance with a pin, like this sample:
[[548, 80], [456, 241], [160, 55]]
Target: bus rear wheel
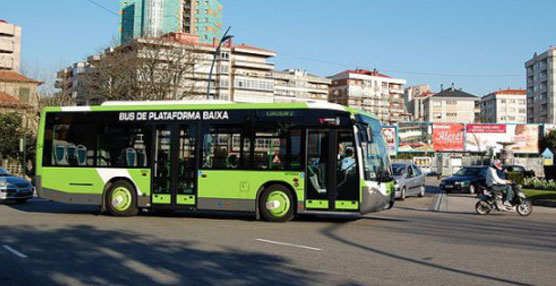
[[277, 204], [121, 199]]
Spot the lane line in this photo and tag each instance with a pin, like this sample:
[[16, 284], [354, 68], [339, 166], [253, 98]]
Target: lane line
[[14, 252], [288, 244]]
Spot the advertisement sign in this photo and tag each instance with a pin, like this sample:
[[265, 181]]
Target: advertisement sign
[[415, 137], [448, 137], [521, 138], [486, 128], [391, 137], [424, 163]]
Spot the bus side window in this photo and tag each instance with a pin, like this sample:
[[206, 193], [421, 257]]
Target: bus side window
[[277, 147], [73, 144], [222, 150], [124, 146]]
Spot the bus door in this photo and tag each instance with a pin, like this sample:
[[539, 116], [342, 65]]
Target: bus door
[[175, 165], [332, 171]]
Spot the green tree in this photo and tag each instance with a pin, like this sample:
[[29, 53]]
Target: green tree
[[12, 130], [549, 141]]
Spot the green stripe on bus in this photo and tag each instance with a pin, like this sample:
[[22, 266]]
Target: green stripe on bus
[[347, 205], [316, 204], [186, 200], [162, 199]]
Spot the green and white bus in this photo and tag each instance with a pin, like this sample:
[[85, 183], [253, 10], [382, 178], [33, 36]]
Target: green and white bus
[[273, 160]]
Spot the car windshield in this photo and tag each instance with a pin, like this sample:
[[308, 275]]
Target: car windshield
[[398, 169], [469, 172], [3, 172], [376, 161]]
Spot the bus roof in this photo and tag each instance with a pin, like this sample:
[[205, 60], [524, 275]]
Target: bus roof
[[193, 105]]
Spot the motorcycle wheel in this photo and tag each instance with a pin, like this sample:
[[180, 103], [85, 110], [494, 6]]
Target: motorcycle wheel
[[525, 208], [482, 208]]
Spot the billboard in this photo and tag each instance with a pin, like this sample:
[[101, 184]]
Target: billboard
[[448, 137], [520, 138], [390, 134], [415, 137]]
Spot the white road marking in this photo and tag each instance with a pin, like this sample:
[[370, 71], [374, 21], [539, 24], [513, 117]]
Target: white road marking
[[288, 244], [14, 252]]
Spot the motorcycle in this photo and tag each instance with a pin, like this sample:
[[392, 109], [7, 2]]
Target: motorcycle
[[490, 200]]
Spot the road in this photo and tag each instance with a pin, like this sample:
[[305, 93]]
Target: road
[[45, 243]]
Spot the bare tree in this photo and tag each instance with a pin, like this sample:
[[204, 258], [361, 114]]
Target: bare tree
[[145, 69]]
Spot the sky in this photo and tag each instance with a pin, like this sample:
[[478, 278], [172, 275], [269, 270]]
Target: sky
[[480, 45]]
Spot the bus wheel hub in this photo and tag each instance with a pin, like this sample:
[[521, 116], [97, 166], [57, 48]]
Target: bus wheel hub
[[272, 205]]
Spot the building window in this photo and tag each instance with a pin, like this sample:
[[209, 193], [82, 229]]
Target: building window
[[451, 102], [437, 103]]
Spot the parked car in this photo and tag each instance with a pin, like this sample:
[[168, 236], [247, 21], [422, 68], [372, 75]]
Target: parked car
[[518, 169], [466, 180], [410, 180], [14, 188]]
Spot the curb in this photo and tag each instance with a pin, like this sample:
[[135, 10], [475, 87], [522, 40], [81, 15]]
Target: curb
[[545, 203]]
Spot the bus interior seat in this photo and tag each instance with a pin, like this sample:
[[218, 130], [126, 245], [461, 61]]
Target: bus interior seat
[[81, 155], [315, 180], [131, 157]]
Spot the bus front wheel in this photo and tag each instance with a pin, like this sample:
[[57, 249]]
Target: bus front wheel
[[121, 199], [277, 204]]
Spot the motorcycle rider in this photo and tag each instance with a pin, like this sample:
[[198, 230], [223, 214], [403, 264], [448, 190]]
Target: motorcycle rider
[[495, 182]]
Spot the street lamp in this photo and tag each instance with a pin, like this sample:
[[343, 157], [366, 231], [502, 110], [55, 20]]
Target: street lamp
[[225, 38]]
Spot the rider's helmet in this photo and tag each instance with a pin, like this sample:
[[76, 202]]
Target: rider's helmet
[[497, 164]]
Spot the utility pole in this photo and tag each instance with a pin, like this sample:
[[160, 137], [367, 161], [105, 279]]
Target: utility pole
[[225, 38]]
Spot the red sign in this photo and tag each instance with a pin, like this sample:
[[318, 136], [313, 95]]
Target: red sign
[[486, 128], [448, 137]]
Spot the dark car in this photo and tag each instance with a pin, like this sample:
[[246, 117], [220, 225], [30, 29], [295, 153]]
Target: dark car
[[465, 180], [518, 169], [14, 188]]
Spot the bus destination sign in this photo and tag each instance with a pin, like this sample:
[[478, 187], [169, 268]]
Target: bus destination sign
[[173, 115]]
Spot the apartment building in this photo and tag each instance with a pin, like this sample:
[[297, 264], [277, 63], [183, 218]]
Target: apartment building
[[450, 106], [69, 81], [372, 92], [242, 73], [10, 46], [154, 18], [504, 106], [295, 85], [541, 76], [414, 98]]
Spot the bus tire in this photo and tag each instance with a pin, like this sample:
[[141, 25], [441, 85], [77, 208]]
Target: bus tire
[[121, 199], [276, 204]]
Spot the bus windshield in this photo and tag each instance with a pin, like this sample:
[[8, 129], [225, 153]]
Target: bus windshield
[[375, 156]]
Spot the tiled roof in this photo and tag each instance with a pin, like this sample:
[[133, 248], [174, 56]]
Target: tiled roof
[[511, 91], [7, 98], [452, 92], [10, 76]]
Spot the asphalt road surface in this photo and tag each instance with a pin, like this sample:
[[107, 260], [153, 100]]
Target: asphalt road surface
[[46, 243]]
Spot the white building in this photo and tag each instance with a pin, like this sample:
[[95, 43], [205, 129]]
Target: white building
[[504, 106], [372, 92], [541, 77], [297, 85], [451, 106], [414, 98], [10, 46], [241, 73]]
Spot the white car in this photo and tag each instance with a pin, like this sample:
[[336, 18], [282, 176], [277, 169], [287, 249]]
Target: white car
[[14, 188], [410, 180]]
